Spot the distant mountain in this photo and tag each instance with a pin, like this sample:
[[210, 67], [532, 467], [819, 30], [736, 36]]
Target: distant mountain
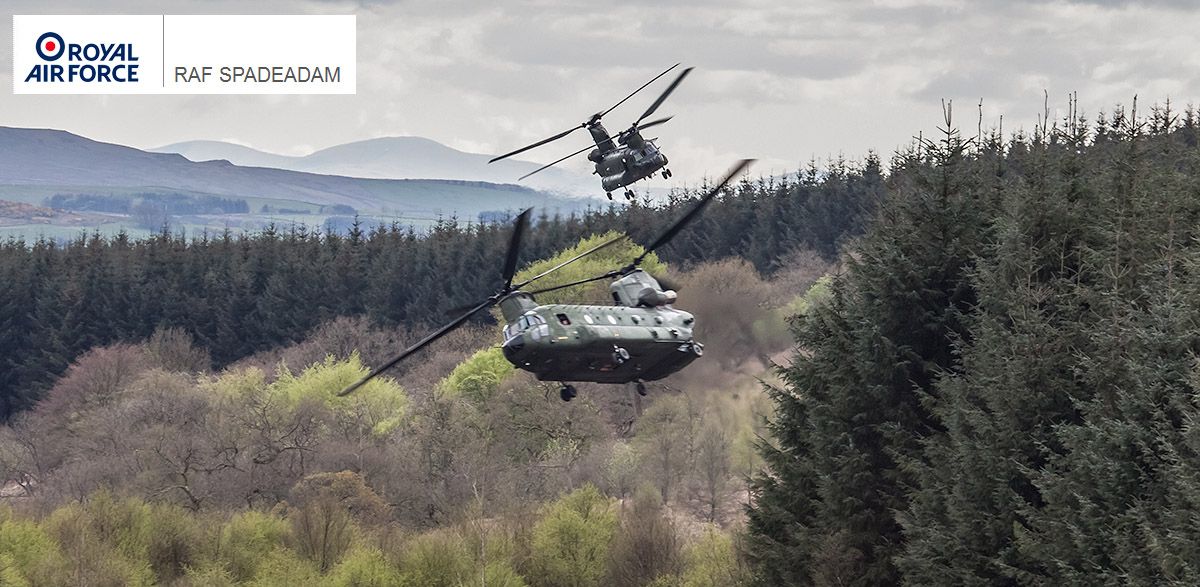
[[38, 163], [393, 158], [200, 151]]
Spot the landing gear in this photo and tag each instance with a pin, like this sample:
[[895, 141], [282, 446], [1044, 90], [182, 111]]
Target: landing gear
[[609, 194], [620, 355], [666, 174], [641, 388], [629, 195], [568, 392]]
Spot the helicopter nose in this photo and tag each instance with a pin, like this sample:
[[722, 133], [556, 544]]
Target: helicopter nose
[[512, 347]]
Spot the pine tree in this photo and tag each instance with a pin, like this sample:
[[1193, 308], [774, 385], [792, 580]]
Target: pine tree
[[852, 410]]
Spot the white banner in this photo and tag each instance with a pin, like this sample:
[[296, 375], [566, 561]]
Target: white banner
[[184, 54]]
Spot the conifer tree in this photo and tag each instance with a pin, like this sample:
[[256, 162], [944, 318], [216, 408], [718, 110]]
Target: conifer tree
[[852, 411]]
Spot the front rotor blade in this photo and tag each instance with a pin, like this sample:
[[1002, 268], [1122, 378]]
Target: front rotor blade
[[514, 248], [691, 214], [569, 261], [614, 106], [663, 97], [549, 165], [537, 144], [424, 342]]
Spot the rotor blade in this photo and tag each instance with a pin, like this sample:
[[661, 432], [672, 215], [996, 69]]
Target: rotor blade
[[662, 98], [574, 283], [655, 122], [514, 248], [569, 261], [537, 144], [614, 106], [418, 346], [549, 165], [691, 214]]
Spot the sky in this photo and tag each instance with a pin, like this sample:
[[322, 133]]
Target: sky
[[784, 81]]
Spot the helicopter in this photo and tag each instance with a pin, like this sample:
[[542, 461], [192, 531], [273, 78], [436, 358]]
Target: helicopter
[[640, 337], [624, 159]]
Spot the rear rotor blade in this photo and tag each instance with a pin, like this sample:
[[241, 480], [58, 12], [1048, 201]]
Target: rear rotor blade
[[655, 122], [662, 98], [514, 248], [691, 214], [537, 144], [665, 236], [424, 342], [608, 275], [549, 165], [614, 106], [569, 261]]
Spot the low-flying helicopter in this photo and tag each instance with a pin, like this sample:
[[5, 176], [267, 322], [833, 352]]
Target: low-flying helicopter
[[641, 337], [624, 159]]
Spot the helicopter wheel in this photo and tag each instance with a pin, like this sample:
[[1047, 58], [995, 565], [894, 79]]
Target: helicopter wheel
[[641, 388], [666, 174], [568, 392], [609, 194], [629, 195], [620, 355]]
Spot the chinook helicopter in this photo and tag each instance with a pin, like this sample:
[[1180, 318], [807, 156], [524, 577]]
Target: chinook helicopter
[[639, 338], [624, 159]]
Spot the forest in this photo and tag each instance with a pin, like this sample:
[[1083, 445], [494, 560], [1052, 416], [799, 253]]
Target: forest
[[240, 294], [972, 364]]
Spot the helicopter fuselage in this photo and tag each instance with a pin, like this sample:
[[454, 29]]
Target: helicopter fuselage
[[601, 344], [641, 337]]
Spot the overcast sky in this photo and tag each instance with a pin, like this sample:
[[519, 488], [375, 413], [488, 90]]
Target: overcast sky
[[781, 80]]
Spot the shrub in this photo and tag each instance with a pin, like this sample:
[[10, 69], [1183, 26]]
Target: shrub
[[571, 541], [478, 377], [437, 559], [366, 567], [248, 538]]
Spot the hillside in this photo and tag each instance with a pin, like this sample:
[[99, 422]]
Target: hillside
[[393, 158], [12, 213], [453, 469], [36, 164], [995, 383]]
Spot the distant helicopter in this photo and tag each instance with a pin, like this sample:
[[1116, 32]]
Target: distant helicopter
[[635, 158], [639, 338]]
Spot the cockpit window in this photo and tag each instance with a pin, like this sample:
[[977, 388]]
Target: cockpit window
[[529, 320]]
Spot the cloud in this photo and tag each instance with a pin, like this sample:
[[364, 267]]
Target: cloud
[[777, 79]]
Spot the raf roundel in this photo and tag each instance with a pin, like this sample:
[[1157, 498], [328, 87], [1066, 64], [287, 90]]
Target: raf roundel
[[50, 46]]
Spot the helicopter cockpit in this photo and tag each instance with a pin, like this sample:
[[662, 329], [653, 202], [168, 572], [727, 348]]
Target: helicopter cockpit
[[529, 320]]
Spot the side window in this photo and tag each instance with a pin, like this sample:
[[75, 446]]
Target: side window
[[563, 319]]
